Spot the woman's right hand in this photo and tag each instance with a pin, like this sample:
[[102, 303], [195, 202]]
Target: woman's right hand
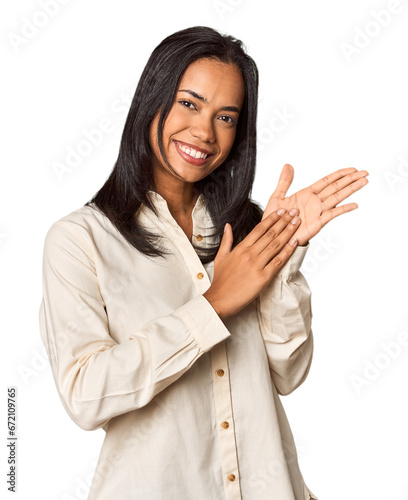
[[241, 274]]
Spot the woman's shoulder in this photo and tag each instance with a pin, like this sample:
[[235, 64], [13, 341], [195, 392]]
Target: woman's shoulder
[[85, 215], [85, 224]]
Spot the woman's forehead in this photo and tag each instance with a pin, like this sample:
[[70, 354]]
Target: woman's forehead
[[213, 79]]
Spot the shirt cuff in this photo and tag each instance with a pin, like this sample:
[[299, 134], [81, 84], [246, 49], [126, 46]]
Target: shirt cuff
[[292, 266], [203, 321]]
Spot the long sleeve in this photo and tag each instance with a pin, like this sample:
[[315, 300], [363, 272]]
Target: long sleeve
[[96, 377], [285, 316]]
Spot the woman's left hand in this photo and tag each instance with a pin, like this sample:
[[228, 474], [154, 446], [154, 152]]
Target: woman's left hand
[[316, 203]]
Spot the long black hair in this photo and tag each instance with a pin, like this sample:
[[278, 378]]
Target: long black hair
[[227, 189]]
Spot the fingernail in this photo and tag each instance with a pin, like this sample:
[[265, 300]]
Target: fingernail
[[281, 211], [293, 211], [293, 242], [295, 220], [225, 227]]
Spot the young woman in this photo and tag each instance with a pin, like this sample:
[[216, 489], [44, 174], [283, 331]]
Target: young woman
[[173, 336]]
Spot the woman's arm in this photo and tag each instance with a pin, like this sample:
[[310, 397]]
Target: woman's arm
[[97, 378], [285, 315], [284, 306]]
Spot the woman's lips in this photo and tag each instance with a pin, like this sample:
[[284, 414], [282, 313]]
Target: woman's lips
[[190, 159]]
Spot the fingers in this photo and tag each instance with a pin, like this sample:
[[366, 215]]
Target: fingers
[[355, 180], [277, 228], [225, 245], [332, 213], [344, 193], [318, 186], [336, 186], [259, 230], [280, 259], [284, 182], [276, 238]]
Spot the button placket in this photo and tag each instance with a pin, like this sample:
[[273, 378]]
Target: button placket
[[224, 417], [200, 274], [221, 382], [174, 233]]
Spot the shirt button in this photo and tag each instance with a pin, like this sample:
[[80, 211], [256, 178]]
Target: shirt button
[[220, 372], [199, 237], [231, 477], [225, 425], [200, 276]]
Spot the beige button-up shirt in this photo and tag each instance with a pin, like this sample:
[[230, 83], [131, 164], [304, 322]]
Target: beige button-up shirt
[[190, 405]]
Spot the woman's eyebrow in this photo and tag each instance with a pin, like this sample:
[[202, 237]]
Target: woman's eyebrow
[[203, 99]]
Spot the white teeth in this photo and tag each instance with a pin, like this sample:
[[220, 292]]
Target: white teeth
[[192, 152]]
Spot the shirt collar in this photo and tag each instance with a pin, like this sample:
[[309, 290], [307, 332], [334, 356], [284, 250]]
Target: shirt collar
[[200, 214], [158, 201]]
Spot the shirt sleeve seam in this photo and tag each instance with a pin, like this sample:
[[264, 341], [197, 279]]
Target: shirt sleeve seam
[[78, 238]]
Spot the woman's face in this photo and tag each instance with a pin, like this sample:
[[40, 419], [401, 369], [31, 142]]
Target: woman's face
[[202, 121]]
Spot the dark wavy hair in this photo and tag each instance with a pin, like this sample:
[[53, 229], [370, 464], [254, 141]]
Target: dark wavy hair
[[227, 189]]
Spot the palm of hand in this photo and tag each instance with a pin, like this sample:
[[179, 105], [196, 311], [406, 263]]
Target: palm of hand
[[317, 202], [310, 209]]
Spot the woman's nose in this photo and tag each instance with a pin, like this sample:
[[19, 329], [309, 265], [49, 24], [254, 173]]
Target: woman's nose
[[203, 129]]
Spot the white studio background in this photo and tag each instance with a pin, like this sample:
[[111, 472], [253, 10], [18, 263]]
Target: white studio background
[[333, 94]]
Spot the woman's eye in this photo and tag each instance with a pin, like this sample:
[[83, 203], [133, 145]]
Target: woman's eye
[[187, 104], [229, 120]]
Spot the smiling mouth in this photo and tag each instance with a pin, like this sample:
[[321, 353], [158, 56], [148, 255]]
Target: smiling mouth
[[192, 155]]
